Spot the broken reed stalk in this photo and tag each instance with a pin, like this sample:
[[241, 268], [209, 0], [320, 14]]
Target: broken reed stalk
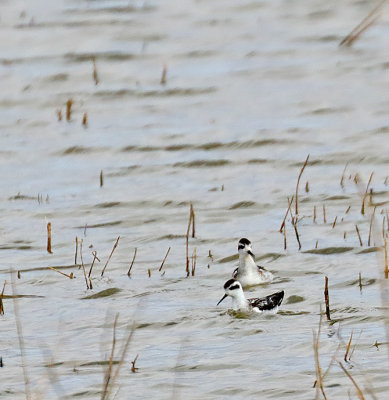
[[19, 330], [348, 347], [317, 244], [49, 238], [360, 282], [319, 376], [365, 194], [298, 182], [371, 224], [348, 209], [149, 272], [194, 259], [306, 187], [1, 299], [342, 178], [93, 263], [101, 178], [132, 262], [284, 231], [187, 243], [133, 368], [69, 104], [59, 115], [334, 223], [163, 76], [163, 262], [287, 212], [95, 76], [327, 299], [76, 252], [83, 266], [113, 249], [324, 214], [362, 26], [359, 235], [314, 214], [70, 276], [359, 392]]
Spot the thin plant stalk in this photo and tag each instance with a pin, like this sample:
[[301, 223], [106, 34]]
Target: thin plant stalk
[[113, 249]]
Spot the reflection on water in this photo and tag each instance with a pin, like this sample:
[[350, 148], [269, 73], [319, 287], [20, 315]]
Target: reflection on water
[[251, 89]]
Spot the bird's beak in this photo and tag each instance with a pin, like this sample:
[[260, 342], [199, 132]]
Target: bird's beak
[[251, 253], [226, 295]]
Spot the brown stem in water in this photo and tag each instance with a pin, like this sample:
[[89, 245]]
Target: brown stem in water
[[298, 182], [327, 299], [113, 249], [132, 262], [163, 262]]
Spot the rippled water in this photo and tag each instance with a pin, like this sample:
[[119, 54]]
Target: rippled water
[[252, 88]]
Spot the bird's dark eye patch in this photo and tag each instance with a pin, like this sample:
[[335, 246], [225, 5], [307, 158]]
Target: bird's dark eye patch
[[234, 287], [241, 247], [244, 241], [229, 283]]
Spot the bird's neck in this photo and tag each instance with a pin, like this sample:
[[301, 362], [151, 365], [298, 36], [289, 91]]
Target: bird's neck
[[246, 261], [239, 301]]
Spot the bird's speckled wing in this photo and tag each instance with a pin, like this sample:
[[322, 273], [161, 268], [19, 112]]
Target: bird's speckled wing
[[268, 302]]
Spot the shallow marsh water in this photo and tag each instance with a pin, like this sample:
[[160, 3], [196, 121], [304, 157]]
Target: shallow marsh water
[[252, 88]]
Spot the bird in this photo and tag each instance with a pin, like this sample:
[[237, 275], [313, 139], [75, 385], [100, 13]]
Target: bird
[[233, 288], [249, 273]]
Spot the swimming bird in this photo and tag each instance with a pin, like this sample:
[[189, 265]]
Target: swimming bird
[[249, 273], [233, 288]]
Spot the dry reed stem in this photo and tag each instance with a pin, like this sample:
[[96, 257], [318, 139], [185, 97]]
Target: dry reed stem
[[362, 26], [149, 272], [62, 273], [360, 282], [95, 76], [101, 178], [69, 104], [163, 76], [294, 223], [348, 209], [83, 266], [193, 220], [93, 263], [359, 392], [334, 223], [387, 218], [113, 249], [324, 214], [187, 242], [1, 299], [370, 227], [210, 255], [133, 368], [314, 214], [348, 348], [21, 339], [327, 299], [108, 373], [342, 178], [85, 120], [163, 262], [317, 244], [319, 377], [76, 252], [49, 238], [287, 212], [132, 262], [298, 182], [383, 227], [359, 235], [59, 115], [284, 232], [344, 235], [386, 257], [306, 187], [365, 194], [194, 259]]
